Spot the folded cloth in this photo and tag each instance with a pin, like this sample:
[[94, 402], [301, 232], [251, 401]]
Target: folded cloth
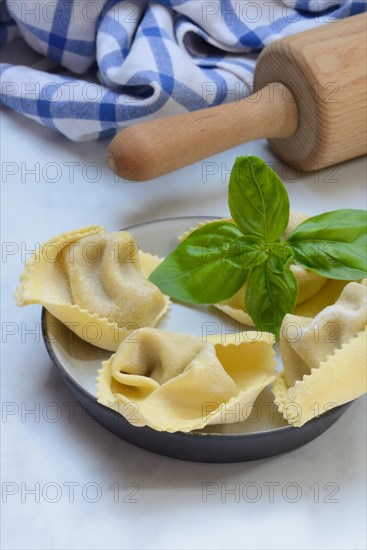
[[142, 59]]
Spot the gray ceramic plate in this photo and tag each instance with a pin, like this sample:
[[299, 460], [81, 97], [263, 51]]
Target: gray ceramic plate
[[263, 434]]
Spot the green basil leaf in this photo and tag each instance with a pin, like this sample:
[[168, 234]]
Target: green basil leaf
[[280, 256], [257, 199], [197, 271], [269, 296], [333, 244], [246, 252]]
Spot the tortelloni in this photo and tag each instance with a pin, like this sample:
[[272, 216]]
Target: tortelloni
[[95, 283], [324, 358], [309, 283], [176, 382]]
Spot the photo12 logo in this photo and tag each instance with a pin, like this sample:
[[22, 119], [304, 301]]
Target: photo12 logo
[[269, 491], [52, 492]]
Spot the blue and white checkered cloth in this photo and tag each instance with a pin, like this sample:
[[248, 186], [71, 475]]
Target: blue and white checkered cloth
[[141, 59]]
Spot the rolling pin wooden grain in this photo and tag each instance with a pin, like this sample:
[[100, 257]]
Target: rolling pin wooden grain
[[309, 102]]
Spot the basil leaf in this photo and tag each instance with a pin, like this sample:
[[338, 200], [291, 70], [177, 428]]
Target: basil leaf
[[197, 271], [257, 199], [269, 296], [280, 256], [246, 252], [333, 244]]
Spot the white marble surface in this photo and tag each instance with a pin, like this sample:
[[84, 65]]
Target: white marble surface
[[50, 457]]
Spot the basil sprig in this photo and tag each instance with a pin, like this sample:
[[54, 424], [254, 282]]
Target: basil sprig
[[215, 261]]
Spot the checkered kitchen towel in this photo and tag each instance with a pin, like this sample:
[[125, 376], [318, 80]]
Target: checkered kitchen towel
[[140, 59]]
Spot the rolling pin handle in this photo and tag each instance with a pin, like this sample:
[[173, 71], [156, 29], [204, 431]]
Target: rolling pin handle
[[151, 149]]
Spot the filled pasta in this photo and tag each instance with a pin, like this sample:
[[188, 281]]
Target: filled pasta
[[176, 382], [324, 358], [95, 283]]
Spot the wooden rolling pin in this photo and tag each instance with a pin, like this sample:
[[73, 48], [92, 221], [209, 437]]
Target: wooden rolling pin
[[309, 101]]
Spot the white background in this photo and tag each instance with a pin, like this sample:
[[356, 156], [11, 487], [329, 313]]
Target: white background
[[171, 511]]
